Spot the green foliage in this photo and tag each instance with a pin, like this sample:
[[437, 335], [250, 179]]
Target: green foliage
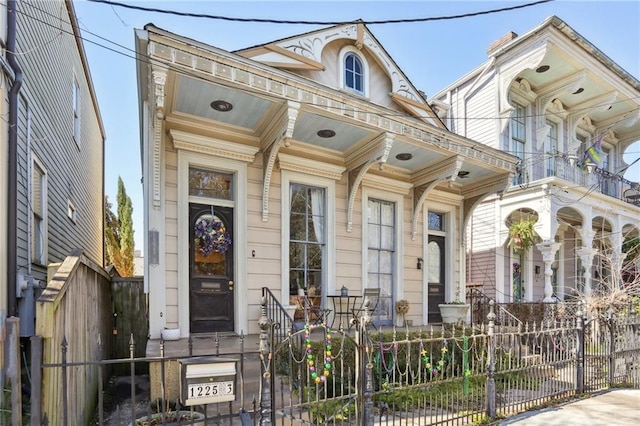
[[522, 234], [119, 233]]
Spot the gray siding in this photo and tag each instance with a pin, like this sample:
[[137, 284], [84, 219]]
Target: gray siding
[[482, 262], [50, 58]]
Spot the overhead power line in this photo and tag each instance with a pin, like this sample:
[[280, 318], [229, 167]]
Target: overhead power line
[[304, 22]]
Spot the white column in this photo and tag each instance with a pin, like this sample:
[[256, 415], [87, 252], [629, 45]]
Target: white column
[[586, 256], [548, 250]]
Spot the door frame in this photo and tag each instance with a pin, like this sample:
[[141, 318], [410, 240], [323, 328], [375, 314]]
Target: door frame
[[452, 225], [239, 205]]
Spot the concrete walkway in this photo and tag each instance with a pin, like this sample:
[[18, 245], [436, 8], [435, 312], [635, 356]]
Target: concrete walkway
[[619, 407]]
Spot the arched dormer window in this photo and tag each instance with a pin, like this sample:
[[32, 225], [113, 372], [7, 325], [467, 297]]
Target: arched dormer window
[[354, 71]]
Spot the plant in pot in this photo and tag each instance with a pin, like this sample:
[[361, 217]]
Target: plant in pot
[[402, 308], [522, 234], [455, 311]]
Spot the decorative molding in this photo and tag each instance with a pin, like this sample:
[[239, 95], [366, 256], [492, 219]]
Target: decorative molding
[[156, 157], [426, 182], [280, 135], [310, 167], [227, 70], [529, 59], [376, 151], [580, 111], [220, 148], [159, 81], [547, 94], [386, 184]]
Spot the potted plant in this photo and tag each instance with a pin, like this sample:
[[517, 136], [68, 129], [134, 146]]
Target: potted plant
[[522, 234], [402, 308], [455, 311]]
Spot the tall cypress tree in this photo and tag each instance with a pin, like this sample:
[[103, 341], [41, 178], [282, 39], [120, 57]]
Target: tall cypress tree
[[125, 210], [112, 235]]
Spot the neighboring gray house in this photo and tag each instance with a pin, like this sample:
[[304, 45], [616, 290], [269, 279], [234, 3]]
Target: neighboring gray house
[[569, 113], [58, 148]]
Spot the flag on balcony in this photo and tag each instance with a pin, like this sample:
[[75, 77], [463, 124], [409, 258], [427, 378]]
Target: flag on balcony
[[592, 154]]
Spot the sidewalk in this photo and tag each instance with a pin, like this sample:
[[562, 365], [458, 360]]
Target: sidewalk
[[618, 407]]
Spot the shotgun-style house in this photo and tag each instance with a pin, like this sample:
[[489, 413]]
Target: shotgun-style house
[[52, 140], [568, 112], [302, 166]]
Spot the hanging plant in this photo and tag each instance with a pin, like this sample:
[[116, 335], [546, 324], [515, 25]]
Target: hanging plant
[[212, 236], [522, 235]]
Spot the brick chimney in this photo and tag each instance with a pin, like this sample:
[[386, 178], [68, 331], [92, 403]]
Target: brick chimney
[[501, 42]]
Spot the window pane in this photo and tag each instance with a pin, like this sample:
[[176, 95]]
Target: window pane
[[374, 212], [298, 199], [373, 258], [297, 230], [314, 254], [388, 214], [296, 255], [210, 184], [386, 262], [374, 236], [36, 189], [433, 272], [386, 240], [436, 222]]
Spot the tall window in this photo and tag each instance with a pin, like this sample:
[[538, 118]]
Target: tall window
[[306, 239], [353, 73], [39, 208], [76, 111], [518, 139], [381, 252], [552, 148]]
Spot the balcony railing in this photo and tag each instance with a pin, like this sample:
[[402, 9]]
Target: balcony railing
[[588, 176]]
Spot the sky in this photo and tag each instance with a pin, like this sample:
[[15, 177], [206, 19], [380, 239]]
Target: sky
[[432, 54]]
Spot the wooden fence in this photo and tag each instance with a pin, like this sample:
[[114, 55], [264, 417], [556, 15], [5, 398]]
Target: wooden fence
[[130, 316], [72, 315]]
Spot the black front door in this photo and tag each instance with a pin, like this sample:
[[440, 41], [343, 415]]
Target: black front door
[[211, 283], [435, 277]]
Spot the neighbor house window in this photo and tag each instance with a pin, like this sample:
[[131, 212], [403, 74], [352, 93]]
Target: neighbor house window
[[307, 227], [76, 111], [39, 209], [71, 211], [518, 139], [353, 73]]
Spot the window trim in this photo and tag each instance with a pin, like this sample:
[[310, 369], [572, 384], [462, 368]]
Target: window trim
[[350, 50], [329, 278], [398, 277], [42, 259]]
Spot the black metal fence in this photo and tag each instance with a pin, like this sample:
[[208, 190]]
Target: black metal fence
[[320, 376]]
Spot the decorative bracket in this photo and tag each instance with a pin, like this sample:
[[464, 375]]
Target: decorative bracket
[[425, 183], [159, 81], [376, 151], [545, 96], [582, 110], [478, 192], [280, 133]]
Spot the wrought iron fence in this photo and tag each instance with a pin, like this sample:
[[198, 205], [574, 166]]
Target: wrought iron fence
[[440, 375]]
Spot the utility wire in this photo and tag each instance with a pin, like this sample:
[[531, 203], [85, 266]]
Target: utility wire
[[304, 22]]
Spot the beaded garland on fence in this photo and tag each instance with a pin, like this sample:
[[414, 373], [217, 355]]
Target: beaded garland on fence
[[318, 374]]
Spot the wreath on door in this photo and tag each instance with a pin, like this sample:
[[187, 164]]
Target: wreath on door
[[212, 236]]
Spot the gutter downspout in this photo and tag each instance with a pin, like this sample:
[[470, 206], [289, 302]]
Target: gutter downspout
[[12, 200]]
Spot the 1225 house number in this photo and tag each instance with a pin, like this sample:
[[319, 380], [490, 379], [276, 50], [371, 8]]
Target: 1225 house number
[[210, 390]]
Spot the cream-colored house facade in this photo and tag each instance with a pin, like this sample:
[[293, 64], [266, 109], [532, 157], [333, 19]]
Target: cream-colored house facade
[[304, 165], [569, 113]]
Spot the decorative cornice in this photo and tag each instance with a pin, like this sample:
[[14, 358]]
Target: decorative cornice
[[159, 81], [567, 85], [218, 147], [310, 167], [226, 70]]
